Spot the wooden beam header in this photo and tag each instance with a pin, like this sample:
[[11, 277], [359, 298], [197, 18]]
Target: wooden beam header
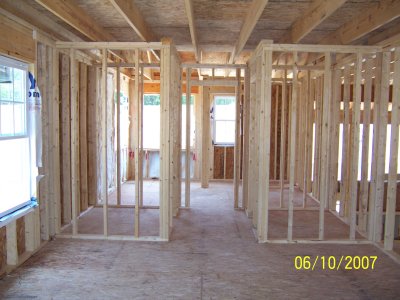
[[111, 45]]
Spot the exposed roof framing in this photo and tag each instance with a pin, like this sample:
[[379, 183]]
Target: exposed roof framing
[[132, 15], [72, 14], [192, 27], [373, 18], [254, 13], [25, 12], [318, 11]]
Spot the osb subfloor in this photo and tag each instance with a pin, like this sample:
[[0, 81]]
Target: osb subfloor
[[212, 255]]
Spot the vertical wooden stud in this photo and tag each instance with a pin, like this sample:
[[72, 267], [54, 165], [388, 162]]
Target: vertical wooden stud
[[118, 137], [394, 148], [363, 202], [292, 157], [188, 130], [264, 145], [137, 144], [344, 184], [74, 141], [355, 145], [282, 161], [306, 135], [104, 180], [323, 182], [246, 139], [381, 101], [236, 170], [205, 138]]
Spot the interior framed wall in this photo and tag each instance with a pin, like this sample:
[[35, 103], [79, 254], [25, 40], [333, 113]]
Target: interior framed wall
[[353, 86]]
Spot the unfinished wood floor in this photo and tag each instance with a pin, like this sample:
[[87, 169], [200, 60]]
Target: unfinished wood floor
[[212, 255]]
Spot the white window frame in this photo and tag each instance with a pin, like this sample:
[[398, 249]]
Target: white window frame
[[13, 63], [214, 121]]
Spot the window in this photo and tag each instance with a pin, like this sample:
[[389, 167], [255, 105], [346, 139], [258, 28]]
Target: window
[[151, 121], [192, 121], [224, 113], [15, 163]]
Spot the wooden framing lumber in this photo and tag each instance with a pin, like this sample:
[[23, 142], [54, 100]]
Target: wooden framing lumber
[[318, 11], [324, 167], [246, 138], [55, 141], [44, 188], [83, 144], [367, 21], [394, 148], [111, 45], [355, 135], [253, 14], [141, 151], [104, 180], [70, 12], [344, 186], [309, 142], [188, 130], [130, 12], [276, 106], [236, 170], [94, 131], [264, 86], [65, 140], [171, 126], [381, 99], [253, 145], [74, 142], [138, 158], [282, 161], [334, 137], [364, 190], [118, 136], [306, 138], [293, 145], [192, 28], [206, 139]]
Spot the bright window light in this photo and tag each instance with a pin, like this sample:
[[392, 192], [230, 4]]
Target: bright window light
[[15, 170], [224, 114]]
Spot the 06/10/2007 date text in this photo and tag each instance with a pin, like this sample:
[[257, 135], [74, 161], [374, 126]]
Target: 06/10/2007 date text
[[344, 262]]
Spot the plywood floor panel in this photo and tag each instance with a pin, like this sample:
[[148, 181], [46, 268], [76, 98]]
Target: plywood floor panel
[[212, 255]]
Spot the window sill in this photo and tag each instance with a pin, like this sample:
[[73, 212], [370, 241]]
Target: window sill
[[23, 211]]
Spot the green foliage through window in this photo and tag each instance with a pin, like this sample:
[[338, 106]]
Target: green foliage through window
[[225, 101], [154, 99]]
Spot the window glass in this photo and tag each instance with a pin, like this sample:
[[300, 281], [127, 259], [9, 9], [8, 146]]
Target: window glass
[[224, 113], [15, 163]]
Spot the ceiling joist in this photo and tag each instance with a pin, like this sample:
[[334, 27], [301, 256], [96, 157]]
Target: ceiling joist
[[254, 13], [359, 26], [129, 11], [132, 15], [72, 14], [192, 27], [375, 17], [318, 11]]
